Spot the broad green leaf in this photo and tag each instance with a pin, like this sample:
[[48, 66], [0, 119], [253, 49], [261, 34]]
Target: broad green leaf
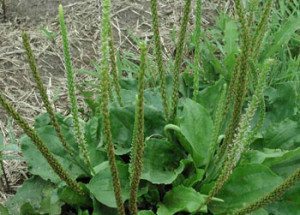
[[247, 184], [279, 105], [282, 36], [102, 188], [231, 46], [162, 162], [210, 95], [181, 199], [288, 204], [258, 157], [196, 126], [69, 196], [93, 130], [122, 121], [36, 194], [100, 209], [231, 37], [37, 163], [284, 135], [285, 164]]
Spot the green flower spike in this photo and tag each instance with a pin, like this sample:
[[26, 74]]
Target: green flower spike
[[43, 93], [240, 83], [71, 90], [178, 59], [197, 48], [114, 68], [138, 137], [240, 141], [262, 28], [53, 162], [105, 85], [159, 58]]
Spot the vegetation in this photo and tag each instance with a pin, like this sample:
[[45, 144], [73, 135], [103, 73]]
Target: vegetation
[[217, 133]]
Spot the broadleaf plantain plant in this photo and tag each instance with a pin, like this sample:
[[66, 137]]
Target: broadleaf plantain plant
[[233, 145]]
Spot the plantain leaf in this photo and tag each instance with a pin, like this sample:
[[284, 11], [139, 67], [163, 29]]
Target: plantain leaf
[[38, 165], [196, 127], [247, 184], [181, 199], [285, 164], [162, 162], [37, 196], [101, 185]]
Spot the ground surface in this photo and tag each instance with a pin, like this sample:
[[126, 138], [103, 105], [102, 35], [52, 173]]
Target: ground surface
[[131, 19]]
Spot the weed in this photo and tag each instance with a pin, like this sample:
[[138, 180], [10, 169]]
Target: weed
[[230, 129]]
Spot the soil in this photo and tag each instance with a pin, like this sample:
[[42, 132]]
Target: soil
[[131, 19]]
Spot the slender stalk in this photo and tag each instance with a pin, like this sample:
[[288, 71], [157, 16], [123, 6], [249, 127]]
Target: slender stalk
[[114, 68], [272, 196], [239, 143], [197, 48], [240, 86], [262, 28], [178, 59], [159, 58], [71, 91], [43, 92], [218, 121], [52, 161], [138, 141], [105, 85]]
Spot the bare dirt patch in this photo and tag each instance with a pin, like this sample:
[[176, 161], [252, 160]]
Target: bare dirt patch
[[130, 19]]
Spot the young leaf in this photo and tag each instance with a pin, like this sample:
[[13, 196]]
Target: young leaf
[[181, 199]]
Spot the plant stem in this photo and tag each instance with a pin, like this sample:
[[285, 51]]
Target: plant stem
[[197, 60], [178, 59], [114, 68], [71, 91], [43, 93], [105, 86], [159, 58], [138, 137]]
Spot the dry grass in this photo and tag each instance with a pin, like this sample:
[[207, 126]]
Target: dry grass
[[129, 18]]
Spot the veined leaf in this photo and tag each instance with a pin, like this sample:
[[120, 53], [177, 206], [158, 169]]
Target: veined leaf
[[196, 127], [37, 163], [246, 184], [284, 135], [285, 164], [37, 195], [102, 188], [181, 199], [162, 162], [289, 204], [282, 36]]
